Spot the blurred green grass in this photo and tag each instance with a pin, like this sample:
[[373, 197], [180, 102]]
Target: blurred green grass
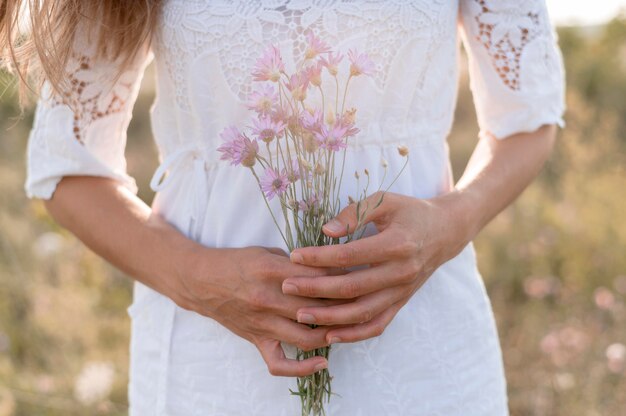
[[554, 262]]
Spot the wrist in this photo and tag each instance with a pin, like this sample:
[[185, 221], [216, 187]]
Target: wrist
[[191, 264], [461, 212]]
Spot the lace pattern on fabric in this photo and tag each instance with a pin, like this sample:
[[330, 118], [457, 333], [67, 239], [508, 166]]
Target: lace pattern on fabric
[[504, 29], [238, 30], [89, 97]]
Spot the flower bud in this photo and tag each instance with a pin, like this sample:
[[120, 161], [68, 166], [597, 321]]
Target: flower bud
[[403, 150], [330, 117]]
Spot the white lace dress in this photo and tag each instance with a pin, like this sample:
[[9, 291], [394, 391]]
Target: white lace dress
[[440, 355]]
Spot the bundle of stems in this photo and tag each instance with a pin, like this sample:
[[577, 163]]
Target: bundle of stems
[[303, 160]]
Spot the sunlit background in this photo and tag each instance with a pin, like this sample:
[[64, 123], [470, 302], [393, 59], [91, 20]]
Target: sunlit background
[[554, 262], [584, 12]]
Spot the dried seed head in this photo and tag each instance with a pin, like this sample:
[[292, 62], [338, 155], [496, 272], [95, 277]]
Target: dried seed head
[[356, 174], [310, 142], [350, 116], [367, 172], [305, 164], [403, 150], [319, 169], [384, 163]]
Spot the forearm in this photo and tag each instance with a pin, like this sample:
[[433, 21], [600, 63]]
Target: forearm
[[498, 171], [120, 227]]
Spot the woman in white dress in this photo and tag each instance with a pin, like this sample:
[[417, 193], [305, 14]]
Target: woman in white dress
[[413, 333]]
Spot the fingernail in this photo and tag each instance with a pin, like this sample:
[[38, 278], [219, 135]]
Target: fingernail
[[334, 226], [290, 289], [320, 367], [296, 257], [306, 318], [334, 340]]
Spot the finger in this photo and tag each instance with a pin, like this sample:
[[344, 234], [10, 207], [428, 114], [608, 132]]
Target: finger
[[279, 365], [346, 221], [276, 250], [362, 310], [348, 286], [375, 249], [283, 268], [371, 329], [298, 335], [290, 305]]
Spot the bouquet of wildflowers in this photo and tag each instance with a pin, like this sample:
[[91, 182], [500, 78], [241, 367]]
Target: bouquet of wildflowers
[[304, 160]]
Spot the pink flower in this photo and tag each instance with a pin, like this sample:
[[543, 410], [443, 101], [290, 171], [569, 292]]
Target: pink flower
[[311, 203], [237, 148], [267, 129], [347, 121], [315, 46], [312, 120], [262, 99], [360, 63], [604, 298], [616, 357], [269, 66], [274, 183], [293, 174], [332, 137], [298, 84], [314, 74], [331, 62]]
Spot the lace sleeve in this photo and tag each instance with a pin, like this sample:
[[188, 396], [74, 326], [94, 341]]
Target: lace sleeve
[[516, 68], [83, 132]]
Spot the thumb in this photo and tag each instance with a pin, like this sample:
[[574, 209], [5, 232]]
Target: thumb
[[357, 213]]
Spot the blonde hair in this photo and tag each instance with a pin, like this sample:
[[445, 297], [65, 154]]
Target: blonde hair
[[121, 29]]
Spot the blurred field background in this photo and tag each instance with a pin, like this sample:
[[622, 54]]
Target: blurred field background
[[554, 263]]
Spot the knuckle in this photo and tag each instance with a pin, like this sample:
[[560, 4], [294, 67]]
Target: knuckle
[[406, 248], [345, 256], [258, 299], [413, 267], [349, 289], [377, 329], [304, 344], [254, 322], [266, 267], [365, 315], [407, 274]]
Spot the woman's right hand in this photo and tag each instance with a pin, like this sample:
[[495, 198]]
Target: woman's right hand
[[241, 288]]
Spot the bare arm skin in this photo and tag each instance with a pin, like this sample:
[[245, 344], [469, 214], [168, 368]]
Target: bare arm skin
[[240, 288], [415, 237]]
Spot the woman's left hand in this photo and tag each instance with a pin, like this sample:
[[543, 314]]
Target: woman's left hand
[[415, 237]]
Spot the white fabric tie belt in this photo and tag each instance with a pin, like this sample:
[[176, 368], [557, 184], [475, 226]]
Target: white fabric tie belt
[[197, 158]]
